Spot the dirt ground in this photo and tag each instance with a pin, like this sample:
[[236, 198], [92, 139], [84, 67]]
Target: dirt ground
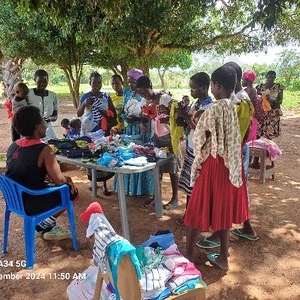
[[265, 269]]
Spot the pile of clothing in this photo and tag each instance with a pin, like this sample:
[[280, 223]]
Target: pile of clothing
[[165, 270], [158, 264]]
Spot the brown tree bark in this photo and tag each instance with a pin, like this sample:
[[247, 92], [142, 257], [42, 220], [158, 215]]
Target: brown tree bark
[[11, 73]]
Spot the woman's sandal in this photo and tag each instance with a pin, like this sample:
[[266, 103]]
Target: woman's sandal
[[207, 243]]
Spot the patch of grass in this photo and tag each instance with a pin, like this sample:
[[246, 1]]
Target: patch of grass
[[291, 99]]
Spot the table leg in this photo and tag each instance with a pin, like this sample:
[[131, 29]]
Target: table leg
[[157, 193], [123, 208], [94, 183]]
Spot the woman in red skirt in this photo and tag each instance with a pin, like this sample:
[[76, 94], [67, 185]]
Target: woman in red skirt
[[219, 197]]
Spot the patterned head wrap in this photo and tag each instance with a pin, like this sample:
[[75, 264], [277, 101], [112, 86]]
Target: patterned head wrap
[[135, 73]]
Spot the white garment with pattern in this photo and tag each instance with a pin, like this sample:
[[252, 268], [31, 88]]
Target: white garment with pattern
[[221, 121]]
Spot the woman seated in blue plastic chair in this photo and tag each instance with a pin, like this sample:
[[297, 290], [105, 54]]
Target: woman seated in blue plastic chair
[[32, 163]]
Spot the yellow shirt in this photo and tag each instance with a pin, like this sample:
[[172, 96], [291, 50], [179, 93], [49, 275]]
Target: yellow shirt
[[118, 103], [244, 111]]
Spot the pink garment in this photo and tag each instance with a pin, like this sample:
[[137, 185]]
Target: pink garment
[[161, 129], [253, 133], [269, 145], [179, 265]]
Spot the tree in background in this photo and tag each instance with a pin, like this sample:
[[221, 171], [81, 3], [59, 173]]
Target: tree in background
[[66, 45], [288, 69], [170, 59], [124, 34], [11, 63]]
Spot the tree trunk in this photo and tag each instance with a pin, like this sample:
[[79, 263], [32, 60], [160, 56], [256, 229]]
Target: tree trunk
[[73, 81], [122, 70], [161, 74], [143, 65], [11, 72]]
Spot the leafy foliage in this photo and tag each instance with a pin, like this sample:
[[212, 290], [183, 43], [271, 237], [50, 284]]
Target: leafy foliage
[[288, 67], [123, 34]]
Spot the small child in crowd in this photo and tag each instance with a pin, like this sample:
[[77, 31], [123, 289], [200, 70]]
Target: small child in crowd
[[65, 123], [21, 92], [75, 127], [72, 127], [184, 105], [19, 99]]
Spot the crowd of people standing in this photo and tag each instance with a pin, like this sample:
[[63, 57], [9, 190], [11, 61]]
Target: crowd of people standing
[[215, 129]]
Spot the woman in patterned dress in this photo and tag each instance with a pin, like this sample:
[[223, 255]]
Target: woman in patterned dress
[[269, 126]]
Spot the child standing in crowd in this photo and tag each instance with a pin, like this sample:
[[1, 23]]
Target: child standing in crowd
[[45, 100], [219, 196], [19, 100], [199, 85], [245, 110], [117, 99]]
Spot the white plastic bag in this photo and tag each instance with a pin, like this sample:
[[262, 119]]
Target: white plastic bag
[[133, 109], [83, 287]]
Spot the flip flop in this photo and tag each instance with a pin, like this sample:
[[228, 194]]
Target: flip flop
[[212, 259], [206, 243], [238, 232]]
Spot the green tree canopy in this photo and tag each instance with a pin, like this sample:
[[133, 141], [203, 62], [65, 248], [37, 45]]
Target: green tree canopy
[[123, 34], [68, 45]]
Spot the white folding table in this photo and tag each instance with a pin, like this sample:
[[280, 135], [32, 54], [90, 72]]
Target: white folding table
[[120, 172]]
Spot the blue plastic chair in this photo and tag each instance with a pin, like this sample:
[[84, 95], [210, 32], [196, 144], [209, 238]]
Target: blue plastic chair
[[12, 194]]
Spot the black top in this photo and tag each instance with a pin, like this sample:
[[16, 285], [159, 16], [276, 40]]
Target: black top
[[22, 167]]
